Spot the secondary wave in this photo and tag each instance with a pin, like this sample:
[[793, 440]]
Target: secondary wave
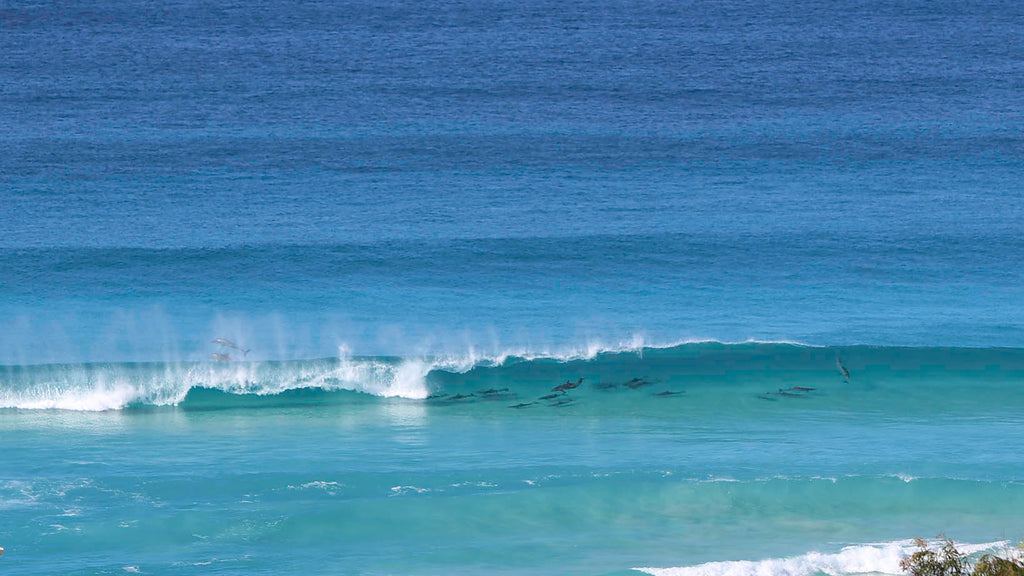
[[865, 558]]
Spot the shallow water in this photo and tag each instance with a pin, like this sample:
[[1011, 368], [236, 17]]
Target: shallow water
[[760, 451]]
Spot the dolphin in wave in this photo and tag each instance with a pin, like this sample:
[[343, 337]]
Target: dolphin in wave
[[569, 385], [637, 383], [842, 368], [229, 344]]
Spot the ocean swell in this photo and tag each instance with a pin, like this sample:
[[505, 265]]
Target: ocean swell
[[762, 373]]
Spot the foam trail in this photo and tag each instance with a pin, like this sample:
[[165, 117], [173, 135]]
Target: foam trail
[[585, 351], [866, 558], [98, 387]]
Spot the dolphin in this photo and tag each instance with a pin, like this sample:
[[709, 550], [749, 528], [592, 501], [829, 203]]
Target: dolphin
[[522, 405], [802, 389], [229, 344], [461, 396], [788, 394], [842, 368], [493, 391], [638, 383], [669, 393], [221, 357], [550, 396], [569, 385]]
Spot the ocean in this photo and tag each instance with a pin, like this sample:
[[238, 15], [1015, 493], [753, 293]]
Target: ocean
[[599, 288]]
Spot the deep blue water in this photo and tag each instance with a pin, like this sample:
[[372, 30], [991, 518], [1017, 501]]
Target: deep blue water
[[394, 176], [375, 198]]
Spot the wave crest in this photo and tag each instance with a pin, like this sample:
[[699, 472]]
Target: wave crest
[[757, 371], [112, 386]]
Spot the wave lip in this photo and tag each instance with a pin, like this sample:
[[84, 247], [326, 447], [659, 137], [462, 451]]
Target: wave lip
[[101, 387], [881, 558]]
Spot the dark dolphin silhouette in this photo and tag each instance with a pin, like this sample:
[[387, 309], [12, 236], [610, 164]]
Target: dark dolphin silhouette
[[842, 368], [638, 383], [569, 385], [789, 394]]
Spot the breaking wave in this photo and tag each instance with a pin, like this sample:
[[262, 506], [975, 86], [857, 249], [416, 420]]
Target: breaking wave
[[112, 386], [759, 371], [883, 558], [95, 387]]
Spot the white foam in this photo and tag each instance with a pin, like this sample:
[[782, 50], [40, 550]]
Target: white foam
[[881, 558], [88, 387], [587, 350], [403, 490], [330, 487], [100, 387], [114, 386], [96, 399], [321, 484], [473, 485]]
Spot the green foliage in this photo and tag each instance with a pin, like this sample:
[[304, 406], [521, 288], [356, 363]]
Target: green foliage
[[990, 565], [948, 561]]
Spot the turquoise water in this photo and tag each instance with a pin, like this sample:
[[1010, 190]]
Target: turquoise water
[[660, 457], [708, 288]]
